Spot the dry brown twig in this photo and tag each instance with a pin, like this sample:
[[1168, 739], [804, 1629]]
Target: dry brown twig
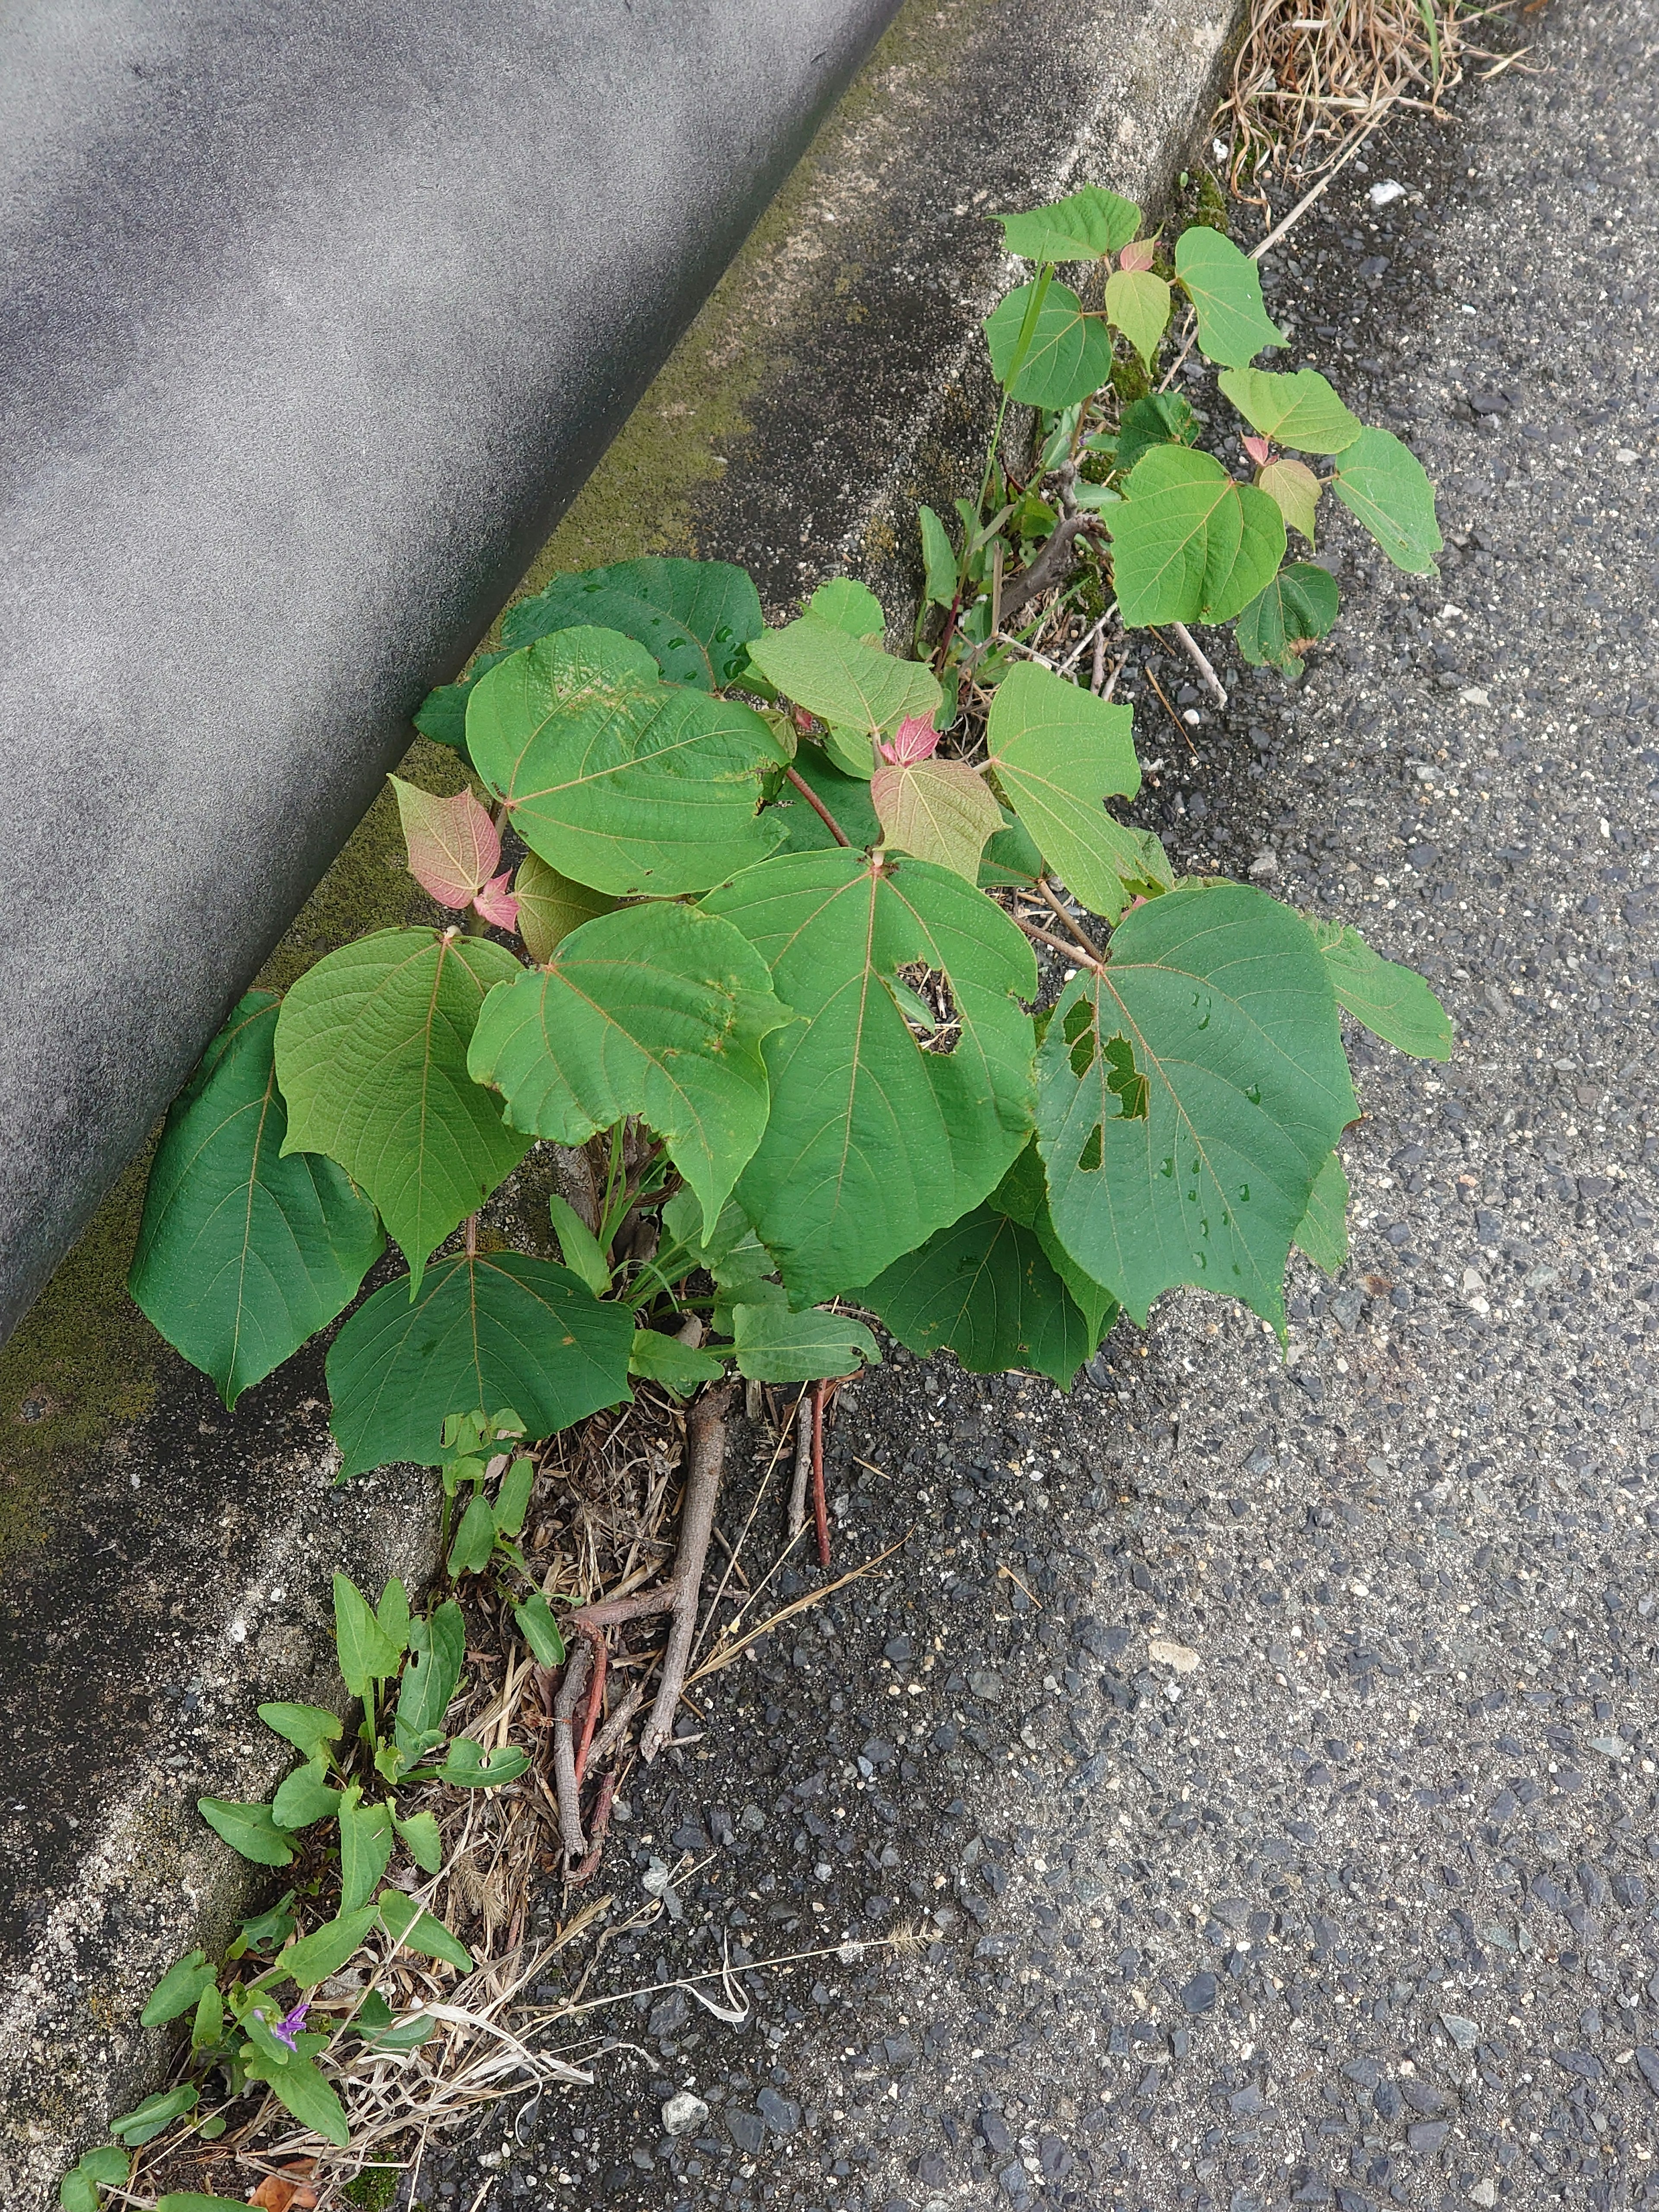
[[803, 1421], [705, 1453]]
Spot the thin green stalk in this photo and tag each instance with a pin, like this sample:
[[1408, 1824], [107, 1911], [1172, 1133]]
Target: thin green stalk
[[1027, 332]]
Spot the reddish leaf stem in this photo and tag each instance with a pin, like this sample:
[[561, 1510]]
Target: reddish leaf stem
[[595, 1834], [1073, 928], [595, 1705], [818, 807]]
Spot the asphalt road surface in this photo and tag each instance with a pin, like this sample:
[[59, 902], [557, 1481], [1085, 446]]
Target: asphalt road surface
[[1242, 1783]]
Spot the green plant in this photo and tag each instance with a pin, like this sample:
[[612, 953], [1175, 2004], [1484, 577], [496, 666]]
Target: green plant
[[337, 1811], [108, 2167], [775, 994], [767, 980], [1165, 526]]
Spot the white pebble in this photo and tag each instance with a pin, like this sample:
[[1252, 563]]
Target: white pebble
[[1385, 194]]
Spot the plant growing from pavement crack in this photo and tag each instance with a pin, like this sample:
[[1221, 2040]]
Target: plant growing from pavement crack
[[765, 974], [1119, 486], [766, 978], [257, 2017]]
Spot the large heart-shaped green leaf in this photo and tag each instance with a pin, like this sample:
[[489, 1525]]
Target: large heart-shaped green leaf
[[872, 1142], [1188, 1094], [370, 1054], [1301, 411], [617, 779], [1386, 487], [849, 605], [243, 1253], [984, 1289], [1393, 1003], [656, 1010], [693, 617], [1225, 287], [1058, 752], [1296, 609], [773, 1345], [1189, 543], [1066, 354], [856, 688], [490, 1330], [1085, 224]]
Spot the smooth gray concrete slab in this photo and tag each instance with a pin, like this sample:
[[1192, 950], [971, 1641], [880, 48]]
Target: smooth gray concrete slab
[[314, 319], [1358, 1909]]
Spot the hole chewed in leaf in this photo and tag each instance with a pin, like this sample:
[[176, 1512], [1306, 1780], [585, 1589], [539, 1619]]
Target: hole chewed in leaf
[[923, 995], [1126, 1081], [1089, 1159], [1078, 1030]]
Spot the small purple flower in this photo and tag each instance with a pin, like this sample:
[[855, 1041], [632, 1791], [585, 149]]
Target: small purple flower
[[286, 2029]]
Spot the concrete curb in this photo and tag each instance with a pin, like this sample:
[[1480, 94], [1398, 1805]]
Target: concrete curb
[[311, 327], [834, 379]]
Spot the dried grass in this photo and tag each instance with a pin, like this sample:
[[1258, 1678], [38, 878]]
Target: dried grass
[[1314, 75]]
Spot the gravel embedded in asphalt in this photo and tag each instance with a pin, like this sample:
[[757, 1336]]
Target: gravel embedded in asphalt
[[1239, 1791]]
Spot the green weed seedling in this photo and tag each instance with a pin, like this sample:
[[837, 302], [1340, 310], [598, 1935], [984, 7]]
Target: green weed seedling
[[337, 1815]]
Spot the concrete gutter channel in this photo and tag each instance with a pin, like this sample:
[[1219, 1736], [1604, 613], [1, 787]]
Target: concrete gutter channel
[[168, 1566]]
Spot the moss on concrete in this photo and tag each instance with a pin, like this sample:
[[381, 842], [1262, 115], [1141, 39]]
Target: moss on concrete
[[82, 1358], [644, 496]]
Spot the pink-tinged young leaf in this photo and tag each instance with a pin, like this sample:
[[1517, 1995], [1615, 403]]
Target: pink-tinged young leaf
[[496, 904], [915, 739], [1136, 255], [453, 845], [1258, 449], [940, 811]]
